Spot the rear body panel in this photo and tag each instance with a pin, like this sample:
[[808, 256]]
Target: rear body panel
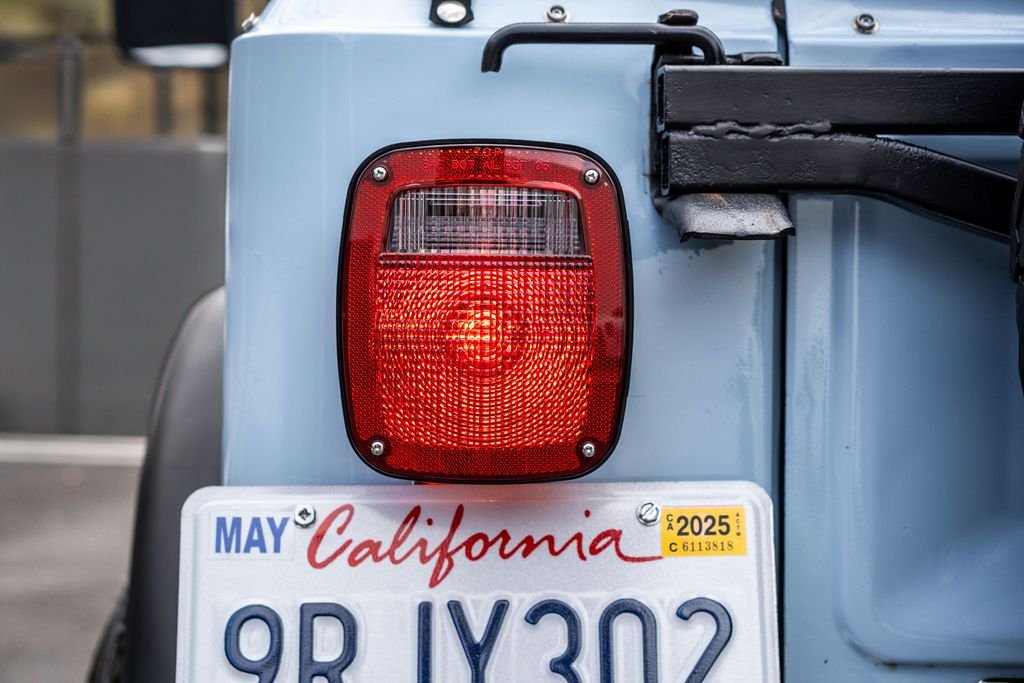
[[308, 107], [877, 346]]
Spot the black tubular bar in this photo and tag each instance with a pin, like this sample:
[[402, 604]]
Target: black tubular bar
[[937, 183], [673, 37], [899, 101]]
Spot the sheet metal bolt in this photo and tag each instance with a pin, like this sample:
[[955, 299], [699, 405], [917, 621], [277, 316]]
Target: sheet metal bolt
[[588, 449], [557, 14], [379, 173], [377, 448], [648, 513], [865, 23], [249, 23], [304, 515], [591, 176], [451, 12]]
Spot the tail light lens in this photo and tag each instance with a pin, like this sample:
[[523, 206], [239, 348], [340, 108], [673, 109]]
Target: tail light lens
[[483, 321]]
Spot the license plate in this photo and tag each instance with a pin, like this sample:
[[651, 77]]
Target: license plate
[[558, 582]]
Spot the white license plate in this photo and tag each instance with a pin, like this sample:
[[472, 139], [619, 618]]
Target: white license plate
[[556, 582]]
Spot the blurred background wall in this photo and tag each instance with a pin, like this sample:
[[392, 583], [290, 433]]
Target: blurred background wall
[[111, 217]]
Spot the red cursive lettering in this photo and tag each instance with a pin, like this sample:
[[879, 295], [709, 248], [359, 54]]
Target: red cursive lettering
[[443, 554]]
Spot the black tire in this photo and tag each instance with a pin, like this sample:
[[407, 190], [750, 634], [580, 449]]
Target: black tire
[[108, 663], [183, 454]]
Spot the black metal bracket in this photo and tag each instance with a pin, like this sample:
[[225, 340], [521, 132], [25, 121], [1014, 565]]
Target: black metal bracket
[[733, 136], [874, 101], [777, 129], [727, 158], [667, 36]]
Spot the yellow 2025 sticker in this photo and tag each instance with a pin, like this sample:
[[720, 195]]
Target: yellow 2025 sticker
[[703, 531]]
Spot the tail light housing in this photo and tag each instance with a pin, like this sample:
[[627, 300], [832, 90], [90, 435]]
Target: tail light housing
[[483, 309]]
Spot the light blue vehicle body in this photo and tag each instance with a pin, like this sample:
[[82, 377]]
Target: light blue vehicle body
[[862, 372]]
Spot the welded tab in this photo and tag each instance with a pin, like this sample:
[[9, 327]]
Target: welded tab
[[728, 216]]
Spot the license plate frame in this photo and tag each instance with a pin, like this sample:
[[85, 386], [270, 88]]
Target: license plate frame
[[251, 546]]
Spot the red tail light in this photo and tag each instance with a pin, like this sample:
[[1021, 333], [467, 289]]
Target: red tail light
[[483, 321]]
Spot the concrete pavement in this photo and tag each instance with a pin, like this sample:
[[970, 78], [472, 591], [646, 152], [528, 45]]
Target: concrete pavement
[[65, 534]]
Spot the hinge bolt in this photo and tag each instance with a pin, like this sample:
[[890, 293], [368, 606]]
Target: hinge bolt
[[557, 14]]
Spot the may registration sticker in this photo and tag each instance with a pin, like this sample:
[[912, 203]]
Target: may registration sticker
[[558, 582]]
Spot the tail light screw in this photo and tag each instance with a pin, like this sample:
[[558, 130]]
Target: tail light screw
[[379, 173], [648, 513], [377, 448], [304, 515], [588, 450], [591, 176], [557, 14]]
